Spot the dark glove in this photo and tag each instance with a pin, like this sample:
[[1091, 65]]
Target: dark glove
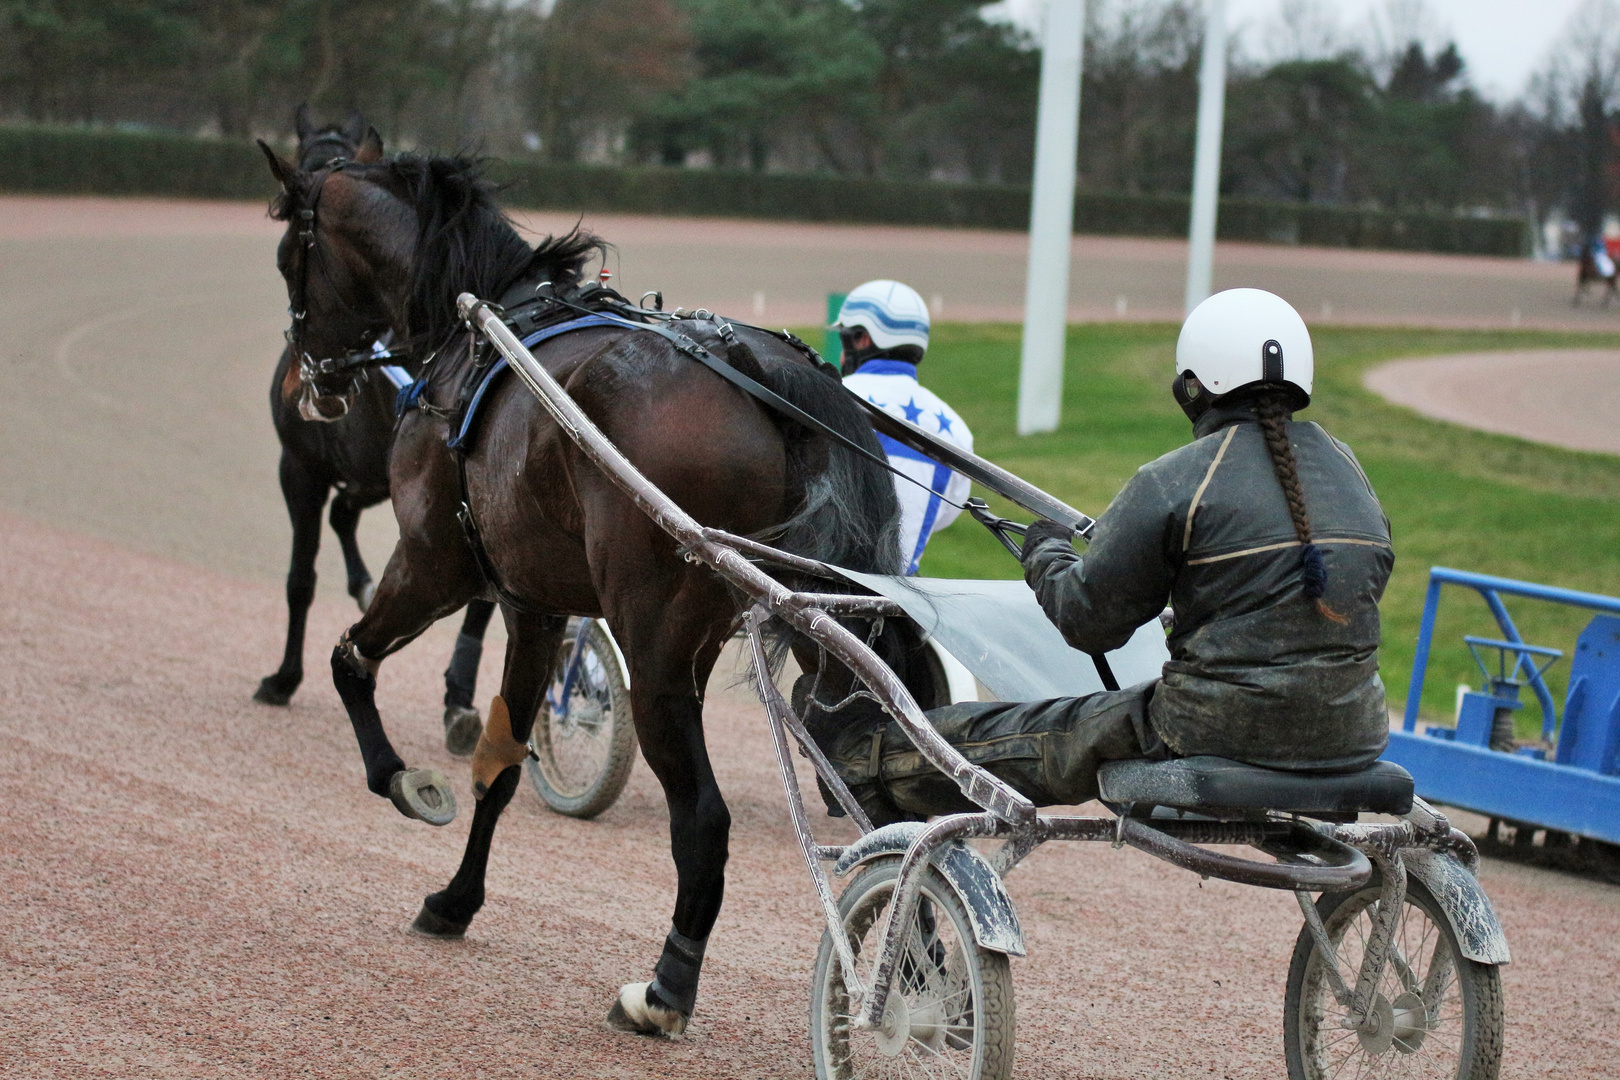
[[1043, 530]]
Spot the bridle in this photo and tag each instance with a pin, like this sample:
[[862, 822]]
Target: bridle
[[312, 370]]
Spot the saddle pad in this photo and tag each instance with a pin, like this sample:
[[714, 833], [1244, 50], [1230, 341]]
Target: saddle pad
[[999, 632], [459, 437]]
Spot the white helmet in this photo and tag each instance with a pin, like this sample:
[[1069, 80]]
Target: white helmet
[[1244, 336], [892, 313]]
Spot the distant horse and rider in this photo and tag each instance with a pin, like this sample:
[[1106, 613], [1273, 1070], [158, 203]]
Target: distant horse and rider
[[1597, 264], [343, 446], [503, 506]]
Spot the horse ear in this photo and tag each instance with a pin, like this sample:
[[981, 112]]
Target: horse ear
[[370, 149], [301, 124], [285, 172], [354, 128]]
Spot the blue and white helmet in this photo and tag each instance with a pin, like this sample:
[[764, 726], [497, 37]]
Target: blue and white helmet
[[892, 313]]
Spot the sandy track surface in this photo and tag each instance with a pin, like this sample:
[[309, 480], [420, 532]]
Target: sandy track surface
[[1564, 397], [201, 886], [780, 273]]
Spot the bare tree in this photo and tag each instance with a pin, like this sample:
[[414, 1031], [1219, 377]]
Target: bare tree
[[1578, 93]]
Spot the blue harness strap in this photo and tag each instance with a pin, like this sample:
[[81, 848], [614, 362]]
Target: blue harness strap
[[458, 440]]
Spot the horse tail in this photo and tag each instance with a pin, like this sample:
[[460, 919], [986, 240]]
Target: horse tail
[[846, 511]]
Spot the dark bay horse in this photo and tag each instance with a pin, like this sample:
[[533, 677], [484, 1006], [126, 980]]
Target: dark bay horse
[[348, 453], [558, 538]]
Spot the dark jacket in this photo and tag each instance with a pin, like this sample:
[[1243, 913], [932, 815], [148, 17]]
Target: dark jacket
[[1256, 672]]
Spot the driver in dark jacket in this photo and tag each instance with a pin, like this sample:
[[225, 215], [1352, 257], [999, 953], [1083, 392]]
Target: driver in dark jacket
[[1266, 539]]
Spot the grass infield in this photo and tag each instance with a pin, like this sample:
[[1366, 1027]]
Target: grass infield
[[1455, 497]]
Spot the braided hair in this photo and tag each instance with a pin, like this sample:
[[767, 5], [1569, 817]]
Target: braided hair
[[1272, 407]]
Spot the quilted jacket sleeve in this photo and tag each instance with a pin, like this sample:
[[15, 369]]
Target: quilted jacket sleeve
[[1097, 601]]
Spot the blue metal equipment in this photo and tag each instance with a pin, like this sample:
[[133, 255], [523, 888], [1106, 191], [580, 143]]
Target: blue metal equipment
[[1578, 791]]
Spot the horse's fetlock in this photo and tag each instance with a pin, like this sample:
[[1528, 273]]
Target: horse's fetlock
[[347, 663], [675, 978], [380, 780]]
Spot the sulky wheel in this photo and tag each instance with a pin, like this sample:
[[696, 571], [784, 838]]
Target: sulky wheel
[[1439, 1014], [950, 1013], [583, 740]]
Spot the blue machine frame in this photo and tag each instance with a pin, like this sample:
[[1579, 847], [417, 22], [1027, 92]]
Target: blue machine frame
[[1579, 791]]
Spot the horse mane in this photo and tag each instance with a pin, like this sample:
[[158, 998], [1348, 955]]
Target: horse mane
[[466, 242]]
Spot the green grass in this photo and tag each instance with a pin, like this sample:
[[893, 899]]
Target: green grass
[[1455, 497]]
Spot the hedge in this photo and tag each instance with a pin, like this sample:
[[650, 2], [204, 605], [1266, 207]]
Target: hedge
[[97, 162]]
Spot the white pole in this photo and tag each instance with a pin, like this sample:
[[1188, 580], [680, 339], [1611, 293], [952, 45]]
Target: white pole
[[1051, 219], [1207, 155]]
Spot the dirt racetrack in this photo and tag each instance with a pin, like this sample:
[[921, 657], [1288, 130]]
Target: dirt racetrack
[[201, 886], [1566, 397]]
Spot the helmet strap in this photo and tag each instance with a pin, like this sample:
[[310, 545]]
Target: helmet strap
[[853, 358], [1191, 395]]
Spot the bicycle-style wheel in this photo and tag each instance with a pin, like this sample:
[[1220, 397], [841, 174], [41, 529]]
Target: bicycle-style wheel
[[950, 1013], [583, 740], [1439, 1014]]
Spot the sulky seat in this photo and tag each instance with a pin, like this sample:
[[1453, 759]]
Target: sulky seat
[[1212, 785]]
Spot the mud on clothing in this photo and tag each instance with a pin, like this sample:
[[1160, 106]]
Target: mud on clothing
[[1256, 673], [892, 386]]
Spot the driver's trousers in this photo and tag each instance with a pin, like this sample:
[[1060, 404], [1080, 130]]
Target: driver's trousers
[[1048, 751]]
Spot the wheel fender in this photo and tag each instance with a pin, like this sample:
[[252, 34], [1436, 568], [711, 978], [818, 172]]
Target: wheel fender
[[971, 877], [618, 653], [1467, 908]]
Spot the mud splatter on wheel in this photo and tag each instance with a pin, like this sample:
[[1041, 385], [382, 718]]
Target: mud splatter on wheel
[[950, 1012], [1435, 1014]]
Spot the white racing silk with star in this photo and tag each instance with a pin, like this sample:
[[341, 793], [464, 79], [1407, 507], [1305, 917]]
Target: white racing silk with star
[[892, 386]]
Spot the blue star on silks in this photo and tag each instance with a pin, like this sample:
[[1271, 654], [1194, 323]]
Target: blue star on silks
[[944, 422], [912, 411]]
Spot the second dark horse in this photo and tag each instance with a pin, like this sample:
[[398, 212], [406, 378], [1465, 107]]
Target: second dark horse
[[559, 538], [349, 454]]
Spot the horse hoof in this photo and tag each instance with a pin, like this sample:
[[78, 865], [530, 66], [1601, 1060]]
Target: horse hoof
[[430, 925], [272, 691], [423, 794], [462, 727], [634, 1013], [363, 598]]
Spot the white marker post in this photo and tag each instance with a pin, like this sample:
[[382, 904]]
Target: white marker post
[[1051, 219], [1207, 155]]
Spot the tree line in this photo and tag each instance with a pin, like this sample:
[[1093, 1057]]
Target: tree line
[[878, 88]]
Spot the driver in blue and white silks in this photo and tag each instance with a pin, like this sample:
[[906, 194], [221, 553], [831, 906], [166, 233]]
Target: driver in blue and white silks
[[884, 329]]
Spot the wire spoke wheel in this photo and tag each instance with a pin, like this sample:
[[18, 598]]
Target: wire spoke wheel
[[1435, 1013], [950, 1013], [583, 740]]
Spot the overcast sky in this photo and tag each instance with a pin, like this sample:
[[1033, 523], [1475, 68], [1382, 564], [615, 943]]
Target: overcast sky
[[1502, 41]]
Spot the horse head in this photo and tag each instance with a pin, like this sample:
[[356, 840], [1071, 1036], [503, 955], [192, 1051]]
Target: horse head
[[345, 257], [353, 140], [385, 247]]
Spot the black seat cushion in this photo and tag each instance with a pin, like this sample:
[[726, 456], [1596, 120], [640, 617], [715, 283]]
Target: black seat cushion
[[1212, 783]]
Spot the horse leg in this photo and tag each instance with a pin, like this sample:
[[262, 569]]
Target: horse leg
[[672, 647], [305, 494], [419, 586], [345, 519], [462, 725], [531, 648]]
